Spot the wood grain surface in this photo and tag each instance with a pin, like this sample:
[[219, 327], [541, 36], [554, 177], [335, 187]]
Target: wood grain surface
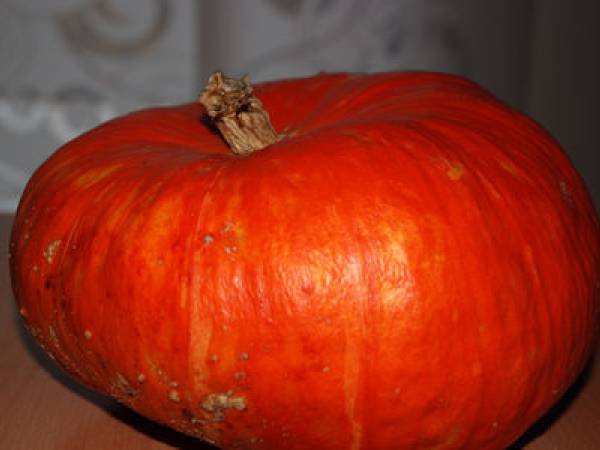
[[41, 408]]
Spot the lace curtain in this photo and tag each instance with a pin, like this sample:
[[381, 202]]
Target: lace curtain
[[66, 65]]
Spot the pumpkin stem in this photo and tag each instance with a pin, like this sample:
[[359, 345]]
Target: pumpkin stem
[[237, 113]]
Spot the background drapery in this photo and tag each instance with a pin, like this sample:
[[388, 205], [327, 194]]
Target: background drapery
[[66, 65]]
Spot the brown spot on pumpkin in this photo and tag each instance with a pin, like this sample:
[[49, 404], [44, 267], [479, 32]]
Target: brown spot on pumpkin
[[141, 378], [35, 268], [566, 193], [326, 369], [219, 402], [197, 421], [52, 333], [213, 358], [244, 356], [50, 252], [188, 414], [289, 132], [208, 239], [239, 376], [87, 334], [23, 312], [174, 396], [230, 249], [203, 170], [124, 386], [253, 440]]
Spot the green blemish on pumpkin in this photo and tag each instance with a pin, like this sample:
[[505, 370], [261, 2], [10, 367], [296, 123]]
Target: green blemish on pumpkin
[[455, 172], [509, 167]]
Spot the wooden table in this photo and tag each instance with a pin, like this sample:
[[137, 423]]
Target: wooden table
[[41, 408]]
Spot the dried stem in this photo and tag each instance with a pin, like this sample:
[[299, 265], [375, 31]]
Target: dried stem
[[238, 114]]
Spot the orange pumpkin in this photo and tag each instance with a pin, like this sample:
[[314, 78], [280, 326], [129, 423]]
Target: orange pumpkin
[[407, 263]]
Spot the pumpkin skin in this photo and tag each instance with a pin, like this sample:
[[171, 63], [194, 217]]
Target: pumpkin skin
[[414, 265]]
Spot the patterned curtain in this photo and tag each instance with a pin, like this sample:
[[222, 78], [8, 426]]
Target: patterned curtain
[[66, 65], [484, 40]]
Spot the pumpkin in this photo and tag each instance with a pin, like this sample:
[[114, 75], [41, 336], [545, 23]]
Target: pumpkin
[[400, 261]]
